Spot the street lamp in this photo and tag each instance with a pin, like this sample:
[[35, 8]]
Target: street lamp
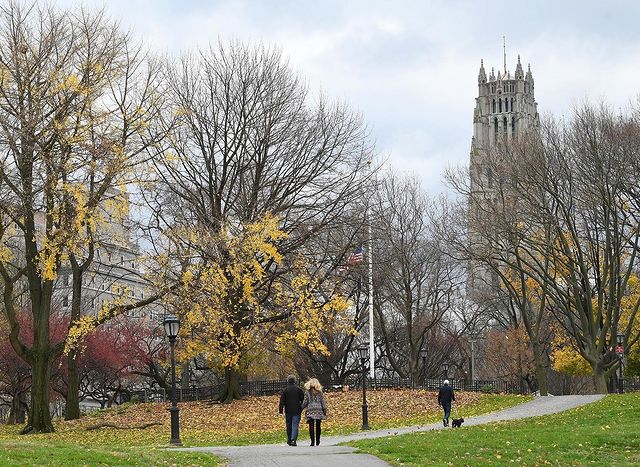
[[620, 353], [363, 353], [445, 368], [171, 325], [423, 355]]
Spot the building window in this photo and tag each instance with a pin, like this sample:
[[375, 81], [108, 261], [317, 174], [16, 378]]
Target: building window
[[512, 104], [65, 301], [133, 265], [494, 106], [504, 122], [495, 127], [500, 105], [513, 127], [65, 279]]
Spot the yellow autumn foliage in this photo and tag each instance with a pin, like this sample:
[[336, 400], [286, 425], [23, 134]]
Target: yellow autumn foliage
[[564, 356], [233, 301]]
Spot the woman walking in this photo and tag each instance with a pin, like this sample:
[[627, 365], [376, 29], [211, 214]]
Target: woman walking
[[316, 409]]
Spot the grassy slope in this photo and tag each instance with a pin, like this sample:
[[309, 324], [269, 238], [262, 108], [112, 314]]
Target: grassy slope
[[33, 451], [604, 433], [204, 424]]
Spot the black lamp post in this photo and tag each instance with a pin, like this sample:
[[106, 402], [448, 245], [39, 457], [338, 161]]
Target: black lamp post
[[171, 325], [423, 355], [363, 353], [445, 368], [620, 353]]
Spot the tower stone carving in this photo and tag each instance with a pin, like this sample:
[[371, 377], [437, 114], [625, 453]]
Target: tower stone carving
[[505, 108]]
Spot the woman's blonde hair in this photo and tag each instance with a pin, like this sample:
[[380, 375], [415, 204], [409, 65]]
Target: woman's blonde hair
[[314, 384]]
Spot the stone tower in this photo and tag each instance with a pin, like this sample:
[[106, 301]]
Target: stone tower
[[505, 109]]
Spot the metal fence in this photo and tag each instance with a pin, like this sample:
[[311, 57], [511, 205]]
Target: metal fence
[[632, 384], [270, 387]]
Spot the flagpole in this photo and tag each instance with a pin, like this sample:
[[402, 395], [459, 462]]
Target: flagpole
[[372, 355]]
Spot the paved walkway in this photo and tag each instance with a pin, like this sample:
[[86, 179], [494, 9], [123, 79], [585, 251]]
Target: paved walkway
[[329, 453]]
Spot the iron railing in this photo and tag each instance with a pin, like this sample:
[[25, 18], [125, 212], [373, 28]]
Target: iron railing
[[270, 387]]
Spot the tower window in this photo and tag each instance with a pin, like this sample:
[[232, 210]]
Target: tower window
[[494, 106], [512, 104], [500, 105], [495, 127], [513, 127], [504, 123]]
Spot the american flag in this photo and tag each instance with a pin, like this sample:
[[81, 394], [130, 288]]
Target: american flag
[[354, 258]]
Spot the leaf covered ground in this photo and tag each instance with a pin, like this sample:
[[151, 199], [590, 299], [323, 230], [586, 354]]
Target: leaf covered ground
[[604, 433], [255, 419]]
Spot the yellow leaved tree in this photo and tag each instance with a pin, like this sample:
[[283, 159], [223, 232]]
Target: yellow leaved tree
[[246, 294]]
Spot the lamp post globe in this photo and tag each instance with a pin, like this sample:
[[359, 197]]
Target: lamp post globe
[[445, 368], [363, 353], [171, 325]]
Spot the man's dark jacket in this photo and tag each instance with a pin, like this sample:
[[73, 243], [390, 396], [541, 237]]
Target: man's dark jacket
[[445, 396], [291, 400]]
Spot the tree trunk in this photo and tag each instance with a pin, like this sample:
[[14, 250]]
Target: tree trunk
[[231, 390], [72, 406], [185, 374], [600, 381], [39, 413], [541, 374], [72, 409], [17, 415]]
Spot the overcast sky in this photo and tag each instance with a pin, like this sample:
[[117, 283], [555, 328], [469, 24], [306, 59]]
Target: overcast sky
[[411, 66]]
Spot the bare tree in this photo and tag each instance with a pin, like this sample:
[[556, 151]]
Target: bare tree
[[246, 142], [417, 280], [566, 230]]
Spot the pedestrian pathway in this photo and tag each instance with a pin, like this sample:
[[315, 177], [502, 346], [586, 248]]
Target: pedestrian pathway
[[330, 453]]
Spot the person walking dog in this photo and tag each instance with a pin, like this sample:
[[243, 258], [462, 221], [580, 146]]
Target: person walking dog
[[291, 403], [445, 398], [316, 409]]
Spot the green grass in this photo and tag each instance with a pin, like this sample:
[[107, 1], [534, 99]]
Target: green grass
[[601, 434], [29, 451]]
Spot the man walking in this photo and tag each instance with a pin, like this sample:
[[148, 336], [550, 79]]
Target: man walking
[[291, 402], [445, 397]]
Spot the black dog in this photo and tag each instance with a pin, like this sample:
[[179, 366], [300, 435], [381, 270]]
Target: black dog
[[457, 422]]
